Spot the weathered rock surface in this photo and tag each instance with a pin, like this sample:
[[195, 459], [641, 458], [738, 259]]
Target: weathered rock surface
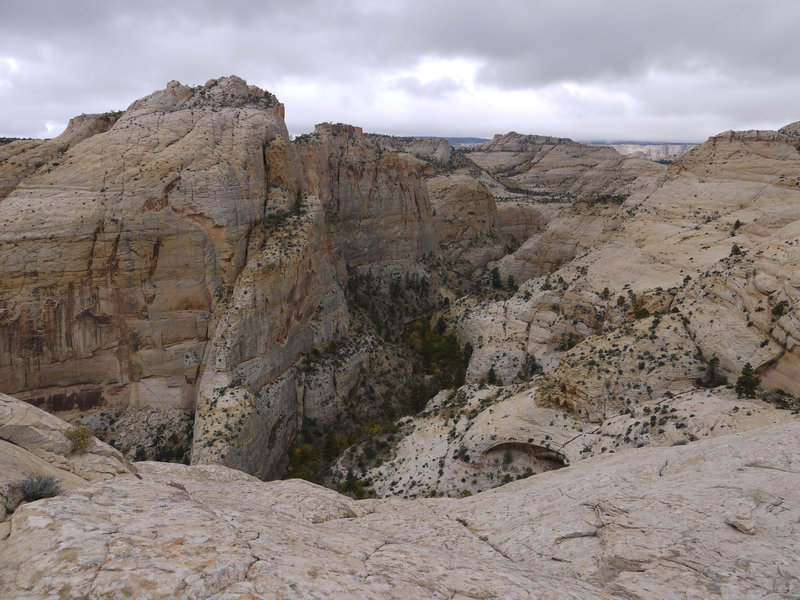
[[481, 437], [375, 201], [33, 441], [715, 242], [23, 158], [635, 525], [111, 260], [560, 169]]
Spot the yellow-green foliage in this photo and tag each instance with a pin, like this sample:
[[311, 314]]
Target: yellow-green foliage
[[80, 436]]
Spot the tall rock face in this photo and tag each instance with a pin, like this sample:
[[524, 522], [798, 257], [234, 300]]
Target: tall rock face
[[286, 300], [111, 259], [376, 204], [186, 253]]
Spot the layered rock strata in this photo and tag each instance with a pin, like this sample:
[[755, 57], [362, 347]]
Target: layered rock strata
[[186, 254]]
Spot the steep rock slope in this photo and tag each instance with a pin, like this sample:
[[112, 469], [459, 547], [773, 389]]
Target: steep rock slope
[[112, 259]]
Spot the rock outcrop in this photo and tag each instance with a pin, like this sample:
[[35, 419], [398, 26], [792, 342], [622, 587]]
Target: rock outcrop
[[111, 260], [714, 243], [558, 169], [35, 442], [638, 524], [23, 158]]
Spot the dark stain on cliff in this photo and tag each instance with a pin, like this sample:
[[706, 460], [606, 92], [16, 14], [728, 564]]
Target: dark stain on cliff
[[112, 264], [90, 259], [63, 401], [153, 263]]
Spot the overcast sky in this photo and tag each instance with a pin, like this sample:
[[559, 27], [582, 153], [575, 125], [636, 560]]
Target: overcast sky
[[669, 70]]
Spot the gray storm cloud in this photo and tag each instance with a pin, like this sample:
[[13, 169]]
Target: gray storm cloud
[[587, 70]]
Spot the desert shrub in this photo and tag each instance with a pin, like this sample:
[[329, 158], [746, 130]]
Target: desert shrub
[[80, 436], [780, 308], [36, 486], [140, 454], [497, 283]]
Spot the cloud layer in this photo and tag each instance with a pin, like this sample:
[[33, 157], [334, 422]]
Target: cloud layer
[[679, 70]]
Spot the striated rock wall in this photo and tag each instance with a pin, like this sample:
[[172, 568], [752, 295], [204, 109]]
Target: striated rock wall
[[376, 204], [111, 260], [286, 300]]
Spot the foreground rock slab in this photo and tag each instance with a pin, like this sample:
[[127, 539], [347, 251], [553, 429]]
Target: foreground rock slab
[[717, 518], [35, 442]]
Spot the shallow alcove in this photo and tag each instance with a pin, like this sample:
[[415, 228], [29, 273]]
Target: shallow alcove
[[525, 457]]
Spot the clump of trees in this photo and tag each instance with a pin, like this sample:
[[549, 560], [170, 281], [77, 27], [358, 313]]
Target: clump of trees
[[713, 377]]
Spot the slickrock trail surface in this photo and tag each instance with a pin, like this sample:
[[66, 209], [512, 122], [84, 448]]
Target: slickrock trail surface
[[717, 518]]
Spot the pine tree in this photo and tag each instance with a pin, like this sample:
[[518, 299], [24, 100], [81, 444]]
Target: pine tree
[[748, 382], [497, 283]]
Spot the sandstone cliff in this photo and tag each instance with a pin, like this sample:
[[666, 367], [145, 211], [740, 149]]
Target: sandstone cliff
[[111, 260], [185, 254], [559, 169]]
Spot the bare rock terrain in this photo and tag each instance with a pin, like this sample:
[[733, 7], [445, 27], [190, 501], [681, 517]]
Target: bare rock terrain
[[715, 518]]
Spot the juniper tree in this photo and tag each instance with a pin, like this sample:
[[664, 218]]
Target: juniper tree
[[748, 382]]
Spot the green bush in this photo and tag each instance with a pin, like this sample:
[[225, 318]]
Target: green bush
[[80, 436]]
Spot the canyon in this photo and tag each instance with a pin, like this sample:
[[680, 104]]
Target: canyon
[[517, 358]]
